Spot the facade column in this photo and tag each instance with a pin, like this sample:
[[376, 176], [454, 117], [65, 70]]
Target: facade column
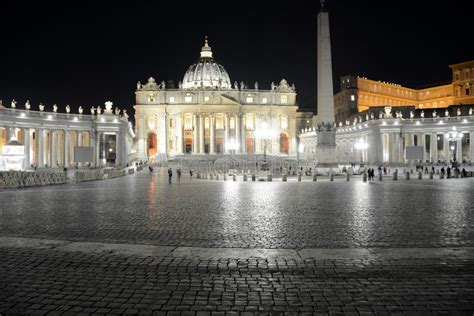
[[243, 134], [66, 149], [201, 133], [179, 130], [212, 133], [195, 134], [227, 133], [40, 148], [434, 147], [54, 149], [237, 132], [162, 134]]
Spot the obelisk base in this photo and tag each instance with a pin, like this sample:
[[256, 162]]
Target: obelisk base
[[326, 152]]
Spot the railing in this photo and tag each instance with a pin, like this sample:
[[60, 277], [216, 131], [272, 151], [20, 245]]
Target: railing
[[19, 179], [54, 115]]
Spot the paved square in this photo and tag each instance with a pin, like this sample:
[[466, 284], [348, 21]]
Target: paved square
[[140, 245]]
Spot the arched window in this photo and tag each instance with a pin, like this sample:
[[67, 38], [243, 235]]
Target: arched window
[[152, 144], [284, 143]]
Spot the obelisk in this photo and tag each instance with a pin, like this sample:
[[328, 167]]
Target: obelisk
[[326, 134]]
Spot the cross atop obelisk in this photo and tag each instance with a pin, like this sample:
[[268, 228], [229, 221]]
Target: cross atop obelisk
[[324, 63]]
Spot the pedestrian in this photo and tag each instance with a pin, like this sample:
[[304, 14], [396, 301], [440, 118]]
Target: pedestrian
[[170, 174], [448, 172], [179, 174], [190, 173], [150, 168]]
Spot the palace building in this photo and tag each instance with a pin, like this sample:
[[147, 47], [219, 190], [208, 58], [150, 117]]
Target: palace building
[[208, 115], [359, 94], [388, 118]]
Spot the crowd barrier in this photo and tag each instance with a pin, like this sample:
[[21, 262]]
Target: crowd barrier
[[88, 175], [21, 179]]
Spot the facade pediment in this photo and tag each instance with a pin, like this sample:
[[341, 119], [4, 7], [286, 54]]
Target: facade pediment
[[221, 100]]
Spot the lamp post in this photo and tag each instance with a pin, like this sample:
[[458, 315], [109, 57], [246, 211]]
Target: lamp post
[[361, 145], [454, 136], [232, 146], [264, 132]]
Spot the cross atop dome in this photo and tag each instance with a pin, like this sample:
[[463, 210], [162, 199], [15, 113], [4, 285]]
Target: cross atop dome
[[206, 51]]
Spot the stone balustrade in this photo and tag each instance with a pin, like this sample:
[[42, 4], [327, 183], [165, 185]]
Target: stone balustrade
[[88, 175], [20, 179]]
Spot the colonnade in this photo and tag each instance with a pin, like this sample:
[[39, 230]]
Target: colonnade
[[49, 147]]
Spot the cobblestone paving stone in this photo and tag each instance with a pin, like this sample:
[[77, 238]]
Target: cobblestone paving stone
[[145, 209], [45, 281]]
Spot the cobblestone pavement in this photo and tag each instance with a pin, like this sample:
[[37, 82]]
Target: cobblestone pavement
[[73, 268], [51, 281], [145, 209]]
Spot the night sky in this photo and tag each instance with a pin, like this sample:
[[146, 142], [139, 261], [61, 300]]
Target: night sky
[[84, 53]]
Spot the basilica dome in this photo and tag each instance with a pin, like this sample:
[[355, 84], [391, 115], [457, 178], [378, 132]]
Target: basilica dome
[[206, 73]]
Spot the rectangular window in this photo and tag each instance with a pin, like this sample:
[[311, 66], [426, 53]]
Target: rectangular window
[[219, 123], [232, 123], [264, 100], [188, 122], [206, 123], [206, 99], [151, 97], [353, 98], [188, 99], [284, 99], [171, 123], [249, 122], [171, 99], [283, 122], [249, 100]]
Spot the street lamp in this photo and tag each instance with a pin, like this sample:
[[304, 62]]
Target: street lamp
[[232, 146], [361, 145], [454, 136], [264, 132]]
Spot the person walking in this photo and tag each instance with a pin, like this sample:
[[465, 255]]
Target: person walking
[[190, 173], [170, 174], [150, 168], [179, 174]]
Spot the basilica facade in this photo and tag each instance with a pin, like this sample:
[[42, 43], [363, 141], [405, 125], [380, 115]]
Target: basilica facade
[[208, 115]]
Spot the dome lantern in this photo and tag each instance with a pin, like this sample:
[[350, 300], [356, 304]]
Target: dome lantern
[[206, 73]]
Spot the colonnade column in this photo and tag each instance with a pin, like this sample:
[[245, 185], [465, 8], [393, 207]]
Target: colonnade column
[[40, 153], [118, 148], [471, 146], [66, 148], [54, 150], [27, 147], [195, 134], [179, 128], [211, 140], [92, 141], [434, 147], [423, 144], [227, 131], [201, 133], [237, 132], [446, 148], [97, 149], [459, 150]]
